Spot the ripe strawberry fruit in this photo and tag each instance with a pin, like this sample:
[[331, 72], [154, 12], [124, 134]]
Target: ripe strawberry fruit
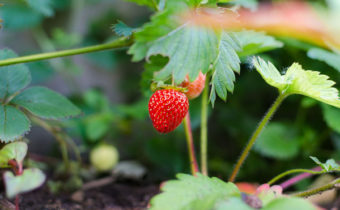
[[196, 87], [167, 109]]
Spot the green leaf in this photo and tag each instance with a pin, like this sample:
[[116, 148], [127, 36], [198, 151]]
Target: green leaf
[[232, 203], [122, 29], [46, 103], [190, 49], [15, 150], [96, 126], [12, 78], [299, 81], [150, 3], [329, 165], [19, 17], [278, 140], [332, 59], [226, 63], [44, 7], [256, 42], [289, 203], [332, 117], [29, 180], [13, 123], [177, 194]]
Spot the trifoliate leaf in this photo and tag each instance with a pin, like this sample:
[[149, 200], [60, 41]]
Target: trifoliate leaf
[[15, 150], [329, 165], [279, 141], [122, 29], [13, 123], [29, 180], [332, 117], [299, 81], [12, 78], [46, 103], [177, 194], [253, 42], [328, 57]]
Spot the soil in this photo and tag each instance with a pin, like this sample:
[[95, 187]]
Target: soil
[[115, 196]]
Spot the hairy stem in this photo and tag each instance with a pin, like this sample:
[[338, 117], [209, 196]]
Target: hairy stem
[[118, 43], [293, 171], [298, 178], [318, 190], [190, 143], [204, 128], [256, 134]]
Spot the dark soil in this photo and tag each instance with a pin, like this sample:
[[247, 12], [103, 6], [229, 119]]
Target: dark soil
[[114, 196]]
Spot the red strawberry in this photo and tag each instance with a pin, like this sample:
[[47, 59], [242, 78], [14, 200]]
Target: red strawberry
[[167, 109], [196, 87]]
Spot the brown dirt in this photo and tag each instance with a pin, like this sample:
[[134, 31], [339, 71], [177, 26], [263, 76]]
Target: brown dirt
[[115, 196]]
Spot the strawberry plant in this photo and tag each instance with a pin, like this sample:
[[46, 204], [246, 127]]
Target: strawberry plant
[[193, 51]]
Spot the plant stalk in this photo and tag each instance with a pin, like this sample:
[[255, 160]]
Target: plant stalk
[[318, 190], [255, 135], [293, 171], [118, 43], [190, 143], [298, 178], [18, 170], [204, 128]]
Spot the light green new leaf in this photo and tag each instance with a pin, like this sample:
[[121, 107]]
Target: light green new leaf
[[46, 103], [15, 150], [177, 194], [226, 63], [332, 59], [13, 123], [29, 180], [12, 78], [329, 165], [299, 81], [289, 203], [190, 49], [253, 42], [279, 141]]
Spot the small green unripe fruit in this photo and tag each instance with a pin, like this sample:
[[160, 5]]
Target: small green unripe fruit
[[104, 157]]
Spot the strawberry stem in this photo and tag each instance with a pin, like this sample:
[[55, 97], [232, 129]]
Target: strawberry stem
[[204, 128], [191, 147]]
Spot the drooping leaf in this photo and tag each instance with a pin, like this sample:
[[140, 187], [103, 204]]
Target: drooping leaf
[[44, 7], [122, 29], [253, 42], [29, 180], [177, 194], [15, 150], [289, 203], [46, 103], [226, 63], [278, 140], [299, 81], [329, 165], [13, 123], [332, 59], [12, 78]]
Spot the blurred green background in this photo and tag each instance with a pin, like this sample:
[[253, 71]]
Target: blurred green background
[[106, 86]]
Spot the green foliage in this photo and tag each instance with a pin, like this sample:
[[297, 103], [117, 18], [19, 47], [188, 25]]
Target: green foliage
[[15, 150], [122, 29], [42, 6], [29, 180], [299, 81], [150, 3], [13, 123], [253, 42], [177, 194], [279, 141], [329, 165], [45, 103], [232, 203], [330, 58], [12, 78], [289, 203], [332, 117], [96, 126]]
